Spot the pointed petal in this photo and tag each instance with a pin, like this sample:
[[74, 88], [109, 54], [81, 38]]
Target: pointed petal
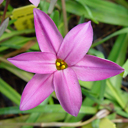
[[68, 90], [36, 62], [36, 91], [35, 2], [48, 36], [76, 43], [1, 1], [92, 68]]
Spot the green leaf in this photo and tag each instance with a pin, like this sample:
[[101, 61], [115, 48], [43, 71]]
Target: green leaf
[[121, 31], [121, 113], [86, 84], [45, 109], [108, 12], [89, 12], [9, 92], [103, 11], [55, 17], [82, 19], [115, 94], [15, 33], [118, 55], [14, 42], [18, 72], [90, 95], [95, 123], [44, 6], [125, 66], [102, 91], [32, 118], [96, 53], [119, 50]]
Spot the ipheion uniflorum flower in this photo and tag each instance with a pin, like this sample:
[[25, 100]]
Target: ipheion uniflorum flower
[[60, 64]]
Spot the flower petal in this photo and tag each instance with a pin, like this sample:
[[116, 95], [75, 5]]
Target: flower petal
[[35, 2], [92, 68], [76, 43], [36, 91], [36, 62], [68, 90], [1, 1], [48, 36]]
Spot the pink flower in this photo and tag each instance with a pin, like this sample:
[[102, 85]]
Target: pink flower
[[1, 1], [60, 64], [35, 2]]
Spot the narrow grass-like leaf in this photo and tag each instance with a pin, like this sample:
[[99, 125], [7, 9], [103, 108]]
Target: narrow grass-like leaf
[[102, 90], [32, 118], [44, 6], [15, 33], [118, 55], [89, 95], [55, 17], [18, 72], [122, 113], [121, 31], [89, 12], [122, 2], [46, 109], [116, 95], [9, 92], [96, 53], [81, 20], [14, 42], [103, 11], [125, 66], [86, 84]]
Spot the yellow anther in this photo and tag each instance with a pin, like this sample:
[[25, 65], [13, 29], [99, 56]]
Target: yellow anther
[[57, 63], [60, 64], [63, 67]]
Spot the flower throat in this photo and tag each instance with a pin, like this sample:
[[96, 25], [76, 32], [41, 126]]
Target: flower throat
[[60, 64]]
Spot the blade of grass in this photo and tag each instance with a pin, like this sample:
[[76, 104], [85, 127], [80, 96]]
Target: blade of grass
[[15, 33], [14, 42], [32, 118], [9, 92], [121, 31], [102, 91], [45, 109], [118, 55], [18, 72], [89, 13], [116, 94], [103, 11]]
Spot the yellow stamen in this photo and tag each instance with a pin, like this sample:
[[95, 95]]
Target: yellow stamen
[[62, 67], [60, 64], [57, 63]]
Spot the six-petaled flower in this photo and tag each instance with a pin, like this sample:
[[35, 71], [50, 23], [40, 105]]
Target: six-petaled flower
[[60, 64]]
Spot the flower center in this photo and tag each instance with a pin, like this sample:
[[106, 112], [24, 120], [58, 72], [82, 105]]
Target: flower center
[[60, 64]]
